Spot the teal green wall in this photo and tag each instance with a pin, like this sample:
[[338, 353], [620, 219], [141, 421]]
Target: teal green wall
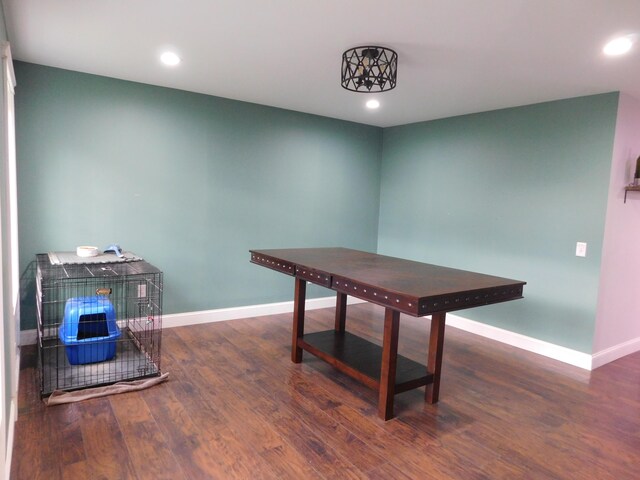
[[509, 193], [188, 181], [191, 182]]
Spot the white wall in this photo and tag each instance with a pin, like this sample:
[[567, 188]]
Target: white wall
[[618, 312]]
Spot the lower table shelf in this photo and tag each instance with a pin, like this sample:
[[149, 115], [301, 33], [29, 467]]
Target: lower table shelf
[[362, 359]]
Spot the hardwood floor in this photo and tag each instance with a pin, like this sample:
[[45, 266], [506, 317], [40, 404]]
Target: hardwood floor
[[235, 406]]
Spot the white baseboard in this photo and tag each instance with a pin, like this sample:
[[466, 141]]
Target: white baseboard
[[530, 344], [11, 426], [222, 314], [617, 351], [28, 337]]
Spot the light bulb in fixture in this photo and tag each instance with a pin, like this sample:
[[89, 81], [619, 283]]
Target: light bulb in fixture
[[373, 104], [618, 46], [170, 59]]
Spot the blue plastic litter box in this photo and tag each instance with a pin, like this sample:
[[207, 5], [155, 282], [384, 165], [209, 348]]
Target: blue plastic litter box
[[89, 330]]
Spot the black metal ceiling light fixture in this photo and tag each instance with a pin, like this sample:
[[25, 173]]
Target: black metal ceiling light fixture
[[369, 69]]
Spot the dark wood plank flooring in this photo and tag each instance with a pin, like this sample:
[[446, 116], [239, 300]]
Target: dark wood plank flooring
[[237, 407]]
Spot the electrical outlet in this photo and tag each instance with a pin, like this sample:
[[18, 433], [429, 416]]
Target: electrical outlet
[[581, 249]]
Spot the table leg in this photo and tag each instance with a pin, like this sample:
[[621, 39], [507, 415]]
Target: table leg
[[341, 311], [434, 362], [298, 319], [389, 360]]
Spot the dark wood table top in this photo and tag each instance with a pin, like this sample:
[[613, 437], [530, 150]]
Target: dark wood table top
[[411, 287]]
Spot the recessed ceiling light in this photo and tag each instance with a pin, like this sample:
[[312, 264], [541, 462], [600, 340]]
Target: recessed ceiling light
[[170, 59], [618, 46], [373, 104]]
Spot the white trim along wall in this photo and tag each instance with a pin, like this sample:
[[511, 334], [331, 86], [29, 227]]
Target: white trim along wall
[[10, 281], [566, 355]]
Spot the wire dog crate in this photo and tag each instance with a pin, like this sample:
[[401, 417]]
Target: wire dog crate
[[98, 323]]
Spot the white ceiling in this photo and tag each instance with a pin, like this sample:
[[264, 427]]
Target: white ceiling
[[455, 56]]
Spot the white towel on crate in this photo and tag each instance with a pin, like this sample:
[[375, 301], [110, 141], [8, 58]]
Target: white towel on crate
[[70, 258]]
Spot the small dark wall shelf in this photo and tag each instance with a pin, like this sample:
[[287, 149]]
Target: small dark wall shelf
[[630, 188]]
